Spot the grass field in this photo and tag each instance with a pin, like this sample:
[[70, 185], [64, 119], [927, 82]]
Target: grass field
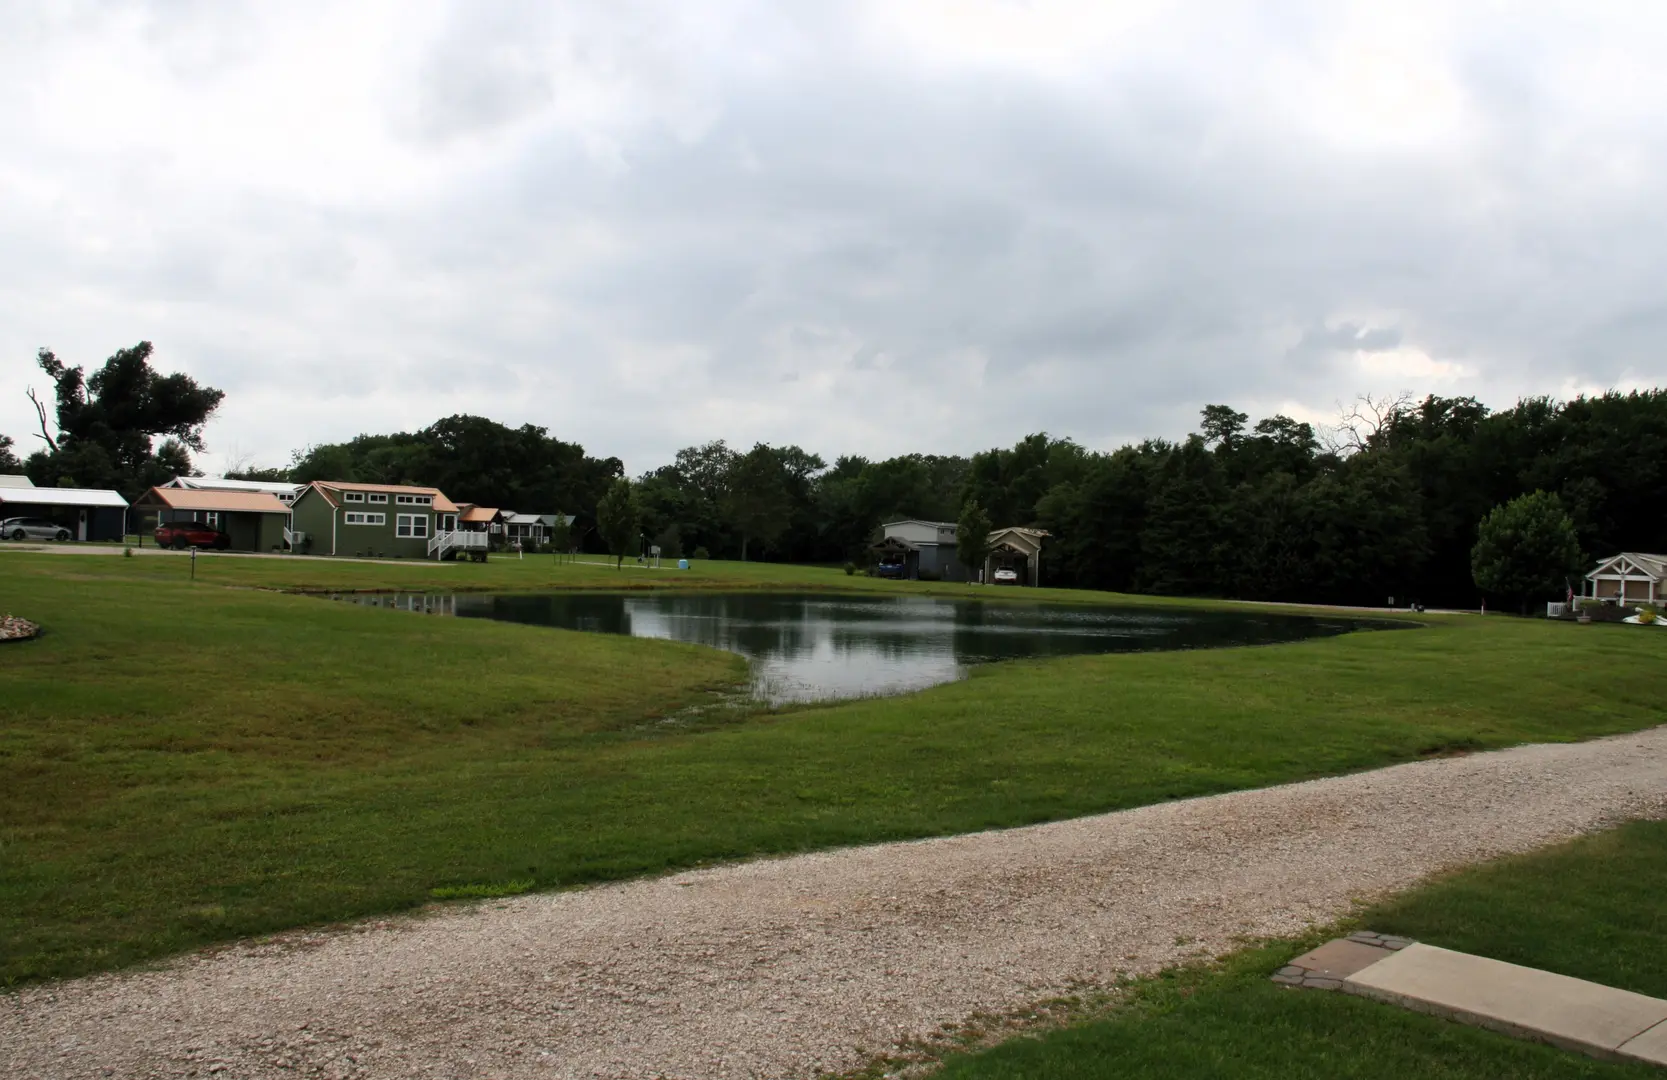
[[191, 763], [505, 573], [1232, 1022]]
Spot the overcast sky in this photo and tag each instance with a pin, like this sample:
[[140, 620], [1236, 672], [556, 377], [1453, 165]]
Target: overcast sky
[[864, 228]]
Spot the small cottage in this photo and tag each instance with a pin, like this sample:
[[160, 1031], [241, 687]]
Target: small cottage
[[370, 520]]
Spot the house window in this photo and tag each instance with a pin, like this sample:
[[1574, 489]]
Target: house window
[[357, 517], [212, 518], [412, 525], [379, 496], [414, 500], [353, 496]]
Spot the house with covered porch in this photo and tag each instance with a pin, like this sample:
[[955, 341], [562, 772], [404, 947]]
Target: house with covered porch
[[1632, 577], [373, 520]]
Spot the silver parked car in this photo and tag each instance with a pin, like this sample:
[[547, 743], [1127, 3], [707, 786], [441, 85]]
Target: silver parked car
[[27, 528]]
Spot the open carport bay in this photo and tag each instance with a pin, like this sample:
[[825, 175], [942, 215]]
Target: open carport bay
[[252, 520]]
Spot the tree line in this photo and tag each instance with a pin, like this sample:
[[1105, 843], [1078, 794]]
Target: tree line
[[1389, 503]]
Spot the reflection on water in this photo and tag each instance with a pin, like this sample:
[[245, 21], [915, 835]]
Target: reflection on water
[[820, 647]]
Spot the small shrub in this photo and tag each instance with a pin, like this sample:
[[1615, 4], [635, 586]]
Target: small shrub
[[929, 575], [702, 553], [1647, 613], [127, 553], [850, 569]]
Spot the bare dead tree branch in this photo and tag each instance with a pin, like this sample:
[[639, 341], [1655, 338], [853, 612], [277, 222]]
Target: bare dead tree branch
[[1358, 425], [45, 433]]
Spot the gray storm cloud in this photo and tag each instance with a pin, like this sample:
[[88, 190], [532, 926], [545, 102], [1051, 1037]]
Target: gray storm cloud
[[862, 228]]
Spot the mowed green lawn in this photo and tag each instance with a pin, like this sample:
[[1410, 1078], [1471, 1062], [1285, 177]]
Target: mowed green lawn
[[190, 763], [1595, 909]]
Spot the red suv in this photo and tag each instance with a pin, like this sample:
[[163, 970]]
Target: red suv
[[186, 534]]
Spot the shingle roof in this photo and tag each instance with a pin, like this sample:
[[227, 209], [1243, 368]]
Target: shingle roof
[[441, 503], [235, 502], [478, 513], [1654, 565]]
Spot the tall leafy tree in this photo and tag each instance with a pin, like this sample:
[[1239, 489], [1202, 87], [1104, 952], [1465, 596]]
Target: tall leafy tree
[[107, 422], [1222, 425], [8, 459], [757, 497], [972, 538], [619, 520], [1526, 549]]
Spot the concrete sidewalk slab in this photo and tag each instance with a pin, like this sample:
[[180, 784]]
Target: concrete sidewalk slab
[[1525, 1002], [1650, 1046]]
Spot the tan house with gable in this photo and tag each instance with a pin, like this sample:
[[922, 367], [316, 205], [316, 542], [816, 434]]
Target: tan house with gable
[[1631, 577]]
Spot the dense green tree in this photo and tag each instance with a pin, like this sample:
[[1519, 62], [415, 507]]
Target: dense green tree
[[8, 458], [619, 519], [1183, 543], [1526, 549], [1222, 426], [1011, 483], [972, 538], [106, 423], [757, 497], [1096, 525]]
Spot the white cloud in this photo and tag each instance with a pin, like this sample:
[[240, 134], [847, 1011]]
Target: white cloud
[[868, 228]]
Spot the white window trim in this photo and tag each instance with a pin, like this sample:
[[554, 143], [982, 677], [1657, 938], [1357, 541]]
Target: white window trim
[[414, 500], [360, 517], [378, 497], [405, 526], [353, 496]]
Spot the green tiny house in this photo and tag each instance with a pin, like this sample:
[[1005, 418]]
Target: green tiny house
[[375, 520]]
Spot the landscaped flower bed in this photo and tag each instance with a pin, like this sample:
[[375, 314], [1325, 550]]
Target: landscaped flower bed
[[13, 628]]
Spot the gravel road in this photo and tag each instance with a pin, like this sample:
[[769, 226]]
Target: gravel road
[[782, 967]]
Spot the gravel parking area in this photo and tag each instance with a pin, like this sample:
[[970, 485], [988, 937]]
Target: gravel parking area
[[784, 967]]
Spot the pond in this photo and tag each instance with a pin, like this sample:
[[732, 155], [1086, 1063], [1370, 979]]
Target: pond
[[822, 647]]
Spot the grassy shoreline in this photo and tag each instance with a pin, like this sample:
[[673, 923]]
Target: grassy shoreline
[[194, 763], [592, 573]]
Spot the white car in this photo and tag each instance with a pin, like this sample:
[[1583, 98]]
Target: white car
[[26, 528], [1005, 576]]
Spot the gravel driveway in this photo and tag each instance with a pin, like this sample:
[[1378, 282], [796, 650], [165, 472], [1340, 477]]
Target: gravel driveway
[[779, 968]]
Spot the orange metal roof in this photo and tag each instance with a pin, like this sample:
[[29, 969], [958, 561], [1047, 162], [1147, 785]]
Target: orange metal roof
[[441, 503], [235, 502], [478, 513]]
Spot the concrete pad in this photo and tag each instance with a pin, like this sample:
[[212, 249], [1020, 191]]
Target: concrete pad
[[1339, 959], [1571, 1013], [1650, 1046]]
